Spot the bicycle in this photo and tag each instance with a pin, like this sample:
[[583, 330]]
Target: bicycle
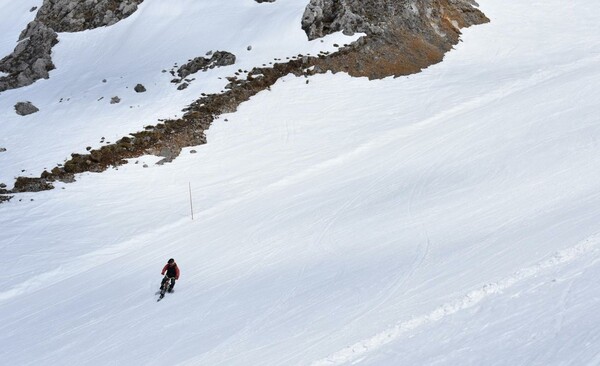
[[164, 286]]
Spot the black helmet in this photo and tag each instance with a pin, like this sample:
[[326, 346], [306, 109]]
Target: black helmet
[[171, 261]]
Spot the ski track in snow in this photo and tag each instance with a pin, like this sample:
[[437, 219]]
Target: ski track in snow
[[355, 352], [84, 263]]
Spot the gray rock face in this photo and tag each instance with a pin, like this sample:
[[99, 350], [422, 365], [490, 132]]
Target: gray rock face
[[402, 36], [25, 108], [31, 60], [218, 59], [76, 16], [375, 17]]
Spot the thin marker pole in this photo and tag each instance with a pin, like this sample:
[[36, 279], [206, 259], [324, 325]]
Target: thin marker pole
[[191, 206]]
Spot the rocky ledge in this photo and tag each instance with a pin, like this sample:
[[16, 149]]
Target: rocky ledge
[[31, 59], [77, 16]]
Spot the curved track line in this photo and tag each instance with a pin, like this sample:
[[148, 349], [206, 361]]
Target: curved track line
[[472, 298]]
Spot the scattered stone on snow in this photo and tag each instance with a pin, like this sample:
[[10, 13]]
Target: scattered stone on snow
[[25, 108], [115, 100], [218, 59], [139, 88]]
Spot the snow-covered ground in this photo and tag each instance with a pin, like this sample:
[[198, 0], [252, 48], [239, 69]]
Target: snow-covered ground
[[450, 217], [96, 65]]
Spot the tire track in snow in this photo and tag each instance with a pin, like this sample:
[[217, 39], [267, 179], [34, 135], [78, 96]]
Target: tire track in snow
[[85, 262], [360, 349]]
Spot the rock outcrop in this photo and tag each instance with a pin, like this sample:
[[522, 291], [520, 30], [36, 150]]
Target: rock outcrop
[[25, 108], [374, 17], [402, 36], [76, 16], [31, 60], [217, 59]]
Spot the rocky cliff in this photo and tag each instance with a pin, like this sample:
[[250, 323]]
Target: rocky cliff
[[31, 60], [76, 16], [402, 36]]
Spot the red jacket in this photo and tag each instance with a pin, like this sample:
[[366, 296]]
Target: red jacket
[[171, 271]]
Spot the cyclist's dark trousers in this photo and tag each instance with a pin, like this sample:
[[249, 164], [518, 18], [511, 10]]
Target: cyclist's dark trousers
[[166, 279]]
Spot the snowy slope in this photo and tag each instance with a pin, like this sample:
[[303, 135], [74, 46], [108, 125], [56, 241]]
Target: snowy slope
[[451, 217], [75, 102]]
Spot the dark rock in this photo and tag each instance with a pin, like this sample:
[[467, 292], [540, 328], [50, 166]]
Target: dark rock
[[218, 59], [5, 198], [139, 88], [34, 8], [115, 100], [402, 37], [373, 17], [31, 59], [2, 149], [25, 108], [24, 184], [183, 86], [265, 1], [76, 16]]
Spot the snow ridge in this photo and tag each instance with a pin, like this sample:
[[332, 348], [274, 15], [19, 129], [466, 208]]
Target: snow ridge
[[361, 348]]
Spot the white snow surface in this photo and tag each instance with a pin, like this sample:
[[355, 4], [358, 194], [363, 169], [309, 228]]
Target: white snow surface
[[447, 218]]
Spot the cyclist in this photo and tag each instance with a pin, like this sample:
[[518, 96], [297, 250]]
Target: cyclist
[[172, 272]]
